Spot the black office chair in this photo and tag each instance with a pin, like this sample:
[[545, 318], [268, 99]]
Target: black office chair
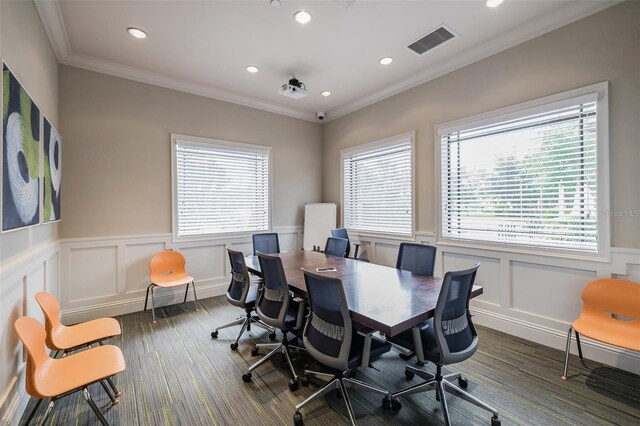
[[267, 243], [242, 293], [336, 246], [419, 259], [416, 258], [342, 233], [331, 340], [277, 308], [447, 338]]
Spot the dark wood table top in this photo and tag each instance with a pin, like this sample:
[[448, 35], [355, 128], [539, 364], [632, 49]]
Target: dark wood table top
[[382, 298]]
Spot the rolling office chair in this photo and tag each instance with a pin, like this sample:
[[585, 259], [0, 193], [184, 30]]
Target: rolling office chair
[[330, 339], [267, 243], [419, 259], [46, 377], [336, 246], [447, 338], [279, 309], [342, 233], [242, 293], [167, 270]]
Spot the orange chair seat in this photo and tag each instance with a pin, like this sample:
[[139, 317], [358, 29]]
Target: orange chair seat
[[624, 334], [171, 280], [87, 332], [63, 375]]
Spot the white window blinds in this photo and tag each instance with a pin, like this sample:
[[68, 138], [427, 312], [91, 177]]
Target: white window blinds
[[378, 187], [220, 188], [529, 180]]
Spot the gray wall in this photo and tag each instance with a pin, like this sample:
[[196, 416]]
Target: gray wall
[[25, 49], [602, 47], [117, 153]]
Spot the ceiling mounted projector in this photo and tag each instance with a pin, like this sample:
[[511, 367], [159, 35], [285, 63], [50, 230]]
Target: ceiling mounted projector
[[295, 89]]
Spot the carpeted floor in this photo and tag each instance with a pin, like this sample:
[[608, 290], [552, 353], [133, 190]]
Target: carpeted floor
[[177, 375]]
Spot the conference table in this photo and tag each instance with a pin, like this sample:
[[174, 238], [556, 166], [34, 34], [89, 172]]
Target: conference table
[[381, 298]]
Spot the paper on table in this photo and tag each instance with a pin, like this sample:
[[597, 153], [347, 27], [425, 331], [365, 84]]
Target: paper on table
[[326, 269]]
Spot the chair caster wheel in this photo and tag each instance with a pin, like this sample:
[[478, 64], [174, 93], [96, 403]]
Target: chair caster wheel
[[214, 334], [294, 385], [406, 357], [409, 374], [272, 336], [297, 419], [495, 421], [234, 346], [255, 352], [304, 380], [463, 382], [246, 377], [392, 404]]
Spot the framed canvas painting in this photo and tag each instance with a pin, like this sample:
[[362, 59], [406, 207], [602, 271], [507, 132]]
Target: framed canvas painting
[[51, 172], [20, 156]]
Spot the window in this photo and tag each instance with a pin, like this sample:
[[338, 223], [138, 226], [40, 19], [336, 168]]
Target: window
[[219, 187], [531, 175], [377, 186]]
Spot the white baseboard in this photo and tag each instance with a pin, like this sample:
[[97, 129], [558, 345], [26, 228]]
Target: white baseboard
[[136, 304], [591, 349]]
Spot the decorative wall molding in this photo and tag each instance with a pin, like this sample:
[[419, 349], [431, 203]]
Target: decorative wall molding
[[531, 296], [107, 276], [21, 277]]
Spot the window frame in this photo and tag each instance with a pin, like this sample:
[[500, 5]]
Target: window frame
[[212, 143], [525, 109], [381, 143]]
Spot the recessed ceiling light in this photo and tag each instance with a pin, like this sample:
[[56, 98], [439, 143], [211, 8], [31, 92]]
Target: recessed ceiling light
[[137, 32], [326, 93], [252, 69], [275, 3], [386, 60], [493, 3], [302, 16]]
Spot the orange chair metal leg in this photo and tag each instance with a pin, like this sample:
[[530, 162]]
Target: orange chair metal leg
[[195, 296], [566, 354]]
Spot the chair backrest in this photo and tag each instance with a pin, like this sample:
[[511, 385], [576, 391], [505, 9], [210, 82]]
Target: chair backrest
[[33, 336], [51, 310], [240, 281], [456, 336], [416, 258], [342, 233], [612, 299], [273, 303], [166, 263], [267, 243], [336, 246], [328, 331]]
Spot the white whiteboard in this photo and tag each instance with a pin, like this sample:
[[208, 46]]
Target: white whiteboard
[[319, 220]]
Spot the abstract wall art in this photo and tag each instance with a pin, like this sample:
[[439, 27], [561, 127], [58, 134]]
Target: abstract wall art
[[20, 156], [51, 172]]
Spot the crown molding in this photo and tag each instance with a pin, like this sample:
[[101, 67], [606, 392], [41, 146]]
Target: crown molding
[[51, 17], [158, 79], [525, 33]]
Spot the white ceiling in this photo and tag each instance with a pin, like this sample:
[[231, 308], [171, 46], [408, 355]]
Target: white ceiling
[[203, 47]]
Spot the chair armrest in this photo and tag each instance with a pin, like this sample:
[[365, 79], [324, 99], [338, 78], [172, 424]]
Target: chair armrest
[[301, 308], [355, 252]]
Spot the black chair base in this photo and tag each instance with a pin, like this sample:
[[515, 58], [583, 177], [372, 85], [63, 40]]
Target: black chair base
[[245, 322], [339, 383], [441, 384], [284, 347]]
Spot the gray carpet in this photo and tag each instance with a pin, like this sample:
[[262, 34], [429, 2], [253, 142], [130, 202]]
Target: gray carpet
[[177, 375]]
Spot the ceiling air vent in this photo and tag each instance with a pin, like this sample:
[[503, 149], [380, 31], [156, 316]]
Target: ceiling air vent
[[433, 39]]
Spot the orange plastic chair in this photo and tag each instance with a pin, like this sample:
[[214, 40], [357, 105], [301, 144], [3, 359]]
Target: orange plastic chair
[[69, 338], [610, 314], [47, 377], [167, 270]]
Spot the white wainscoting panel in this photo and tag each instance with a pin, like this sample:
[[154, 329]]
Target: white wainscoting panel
[[21, 277], [535, 297], [109, 276]]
